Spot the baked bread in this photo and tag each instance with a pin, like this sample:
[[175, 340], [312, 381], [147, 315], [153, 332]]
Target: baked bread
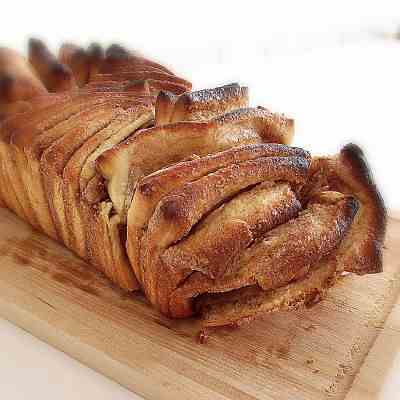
[[194, 197]]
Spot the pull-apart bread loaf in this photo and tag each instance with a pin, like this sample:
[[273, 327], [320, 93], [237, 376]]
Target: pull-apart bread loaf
[[194, 197]]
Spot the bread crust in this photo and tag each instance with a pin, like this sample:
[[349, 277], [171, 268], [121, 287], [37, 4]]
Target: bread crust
[[200, 105]]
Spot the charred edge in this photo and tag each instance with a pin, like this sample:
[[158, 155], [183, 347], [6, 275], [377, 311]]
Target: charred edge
[[354, 158], [359, 163], [79, 54], [61, 71], [95, 51], [117, 52], [146, 188], [36, 45], [275, 150], [361, 170]]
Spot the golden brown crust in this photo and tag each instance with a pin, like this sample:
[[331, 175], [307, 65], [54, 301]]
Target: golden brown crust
[[200, 105], [58, 146], [19, 196], [105, 245], [66, 131], [272, 127], [29, 132]]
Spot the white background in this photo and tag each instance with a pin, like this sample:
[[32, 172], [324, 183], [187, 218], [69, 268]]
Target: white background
[[332, 65]]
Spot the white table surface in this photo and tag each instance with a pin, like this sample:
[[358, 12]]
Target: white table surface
[[334, 69]]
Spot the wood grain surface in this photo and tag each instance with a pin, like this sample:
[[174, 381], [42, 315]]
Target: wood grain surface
[[309, 354]]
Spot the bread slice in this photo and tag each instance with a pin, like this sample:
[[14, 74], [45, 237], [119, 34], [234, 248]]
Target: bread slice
[[284, 254], [246, 304], [80, 168], [157, 147], [349, 172], [26, 138]]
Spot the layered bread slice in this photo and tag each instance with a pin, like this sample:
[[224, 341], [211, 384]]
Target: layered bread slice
[[157, 147]]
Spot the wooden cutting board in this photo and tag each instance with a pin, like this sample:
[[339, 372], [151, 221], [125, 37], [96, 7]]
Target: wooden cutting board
[[310, 354]]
